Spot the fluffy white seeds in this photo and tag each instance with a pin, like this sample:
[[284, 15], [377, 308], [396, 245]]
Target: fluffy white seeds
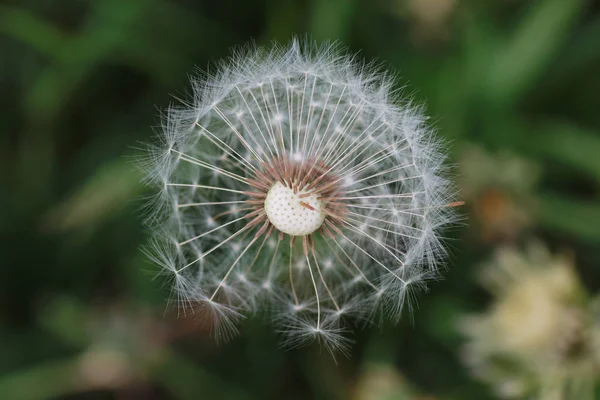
[[296, 181]]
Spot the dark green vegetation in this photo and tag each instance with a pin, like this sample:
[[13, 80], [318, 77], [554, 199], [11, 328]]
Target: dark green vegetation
[[80, 82]]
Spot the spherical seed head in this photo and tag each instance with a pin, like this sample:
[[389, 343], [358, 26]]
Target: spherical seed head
[[300, 167], [297, 214]]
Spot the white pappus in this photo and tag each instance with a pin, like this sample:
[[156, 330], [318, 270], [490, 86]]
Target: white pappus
[[297, 181]]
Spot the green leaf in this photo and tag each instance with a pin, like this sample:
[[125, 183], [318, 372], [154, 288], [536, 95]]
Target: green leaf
[[110, 190], [563, 142], [65, 317], [187, 380], [26, 27], [573, 217], [583, 49], [43, 381], [517, 66], [574, 146]]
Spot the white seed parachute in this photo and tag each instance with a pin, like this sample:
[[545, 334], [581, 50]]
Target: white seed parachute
[[298, 182]]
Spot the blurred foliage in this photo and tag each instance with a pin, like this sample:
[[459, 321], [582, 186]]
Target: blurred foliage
[[81, 316], [541, 335]]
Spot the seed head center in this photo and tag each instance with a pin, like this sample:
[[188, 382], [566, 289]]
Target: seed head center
[[297, 214]]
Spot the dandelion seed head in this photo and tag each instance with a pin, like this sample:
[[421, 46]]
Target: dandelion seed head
[[297, 176]]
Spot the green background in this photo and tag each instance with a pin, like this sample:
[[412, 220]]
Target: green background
[[82, 84]]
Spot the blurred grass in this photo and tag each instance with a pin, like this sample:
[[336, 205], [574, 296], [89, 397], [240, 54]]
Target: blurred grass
[[80, 82]]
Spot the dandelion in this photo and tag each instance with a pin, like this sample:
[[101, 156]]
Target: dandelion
[[295, 182], [541, 337]]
